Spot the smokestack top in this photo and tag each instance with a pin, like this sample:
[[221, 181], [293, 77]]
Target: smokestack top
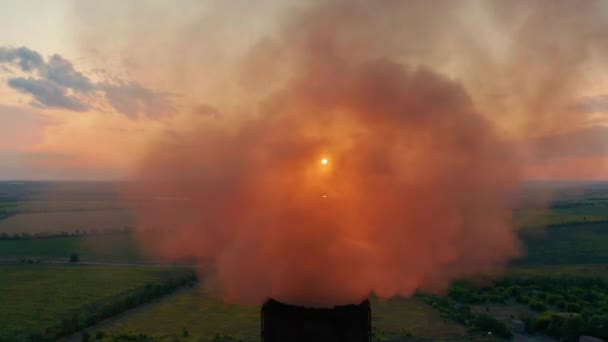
[[285, 322]]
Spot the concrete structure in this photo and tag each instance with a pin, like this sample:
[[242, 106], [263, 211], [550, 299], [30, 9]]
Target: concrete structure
[[289, 323]]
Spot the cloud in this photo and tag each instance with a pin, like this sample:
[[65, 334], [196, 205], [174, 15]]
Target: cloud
[[28, 60], [134, 100], [55, 83], [47, 94], [62, 72], [594, 104]]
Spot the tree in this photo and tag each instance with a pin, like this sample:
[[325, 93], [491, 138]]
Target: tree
[[537, 305], [573, 307], [491, 324], [74, 257]]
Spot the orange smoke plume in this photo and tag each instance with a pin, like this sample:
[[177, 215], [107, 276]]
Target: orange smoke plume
[[354, 174], [375, 178]]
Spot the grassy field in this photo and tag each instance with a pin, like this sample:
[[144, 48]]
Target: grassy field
[[59, 205], [566, 244], [34, 297], [561, 216], [583, 270], [66, 221], [201, 314], [555, 203], [205, 317], [108, 248], [559, 238], [400, 316]]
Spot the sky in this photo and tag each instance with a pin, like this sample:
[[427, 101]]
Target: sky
[[87, 88]]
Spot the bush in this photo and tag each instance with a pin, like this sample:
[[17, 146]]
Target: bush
[[561, 304], [489, 323], [573, 307], [554, 298], [74, 257], [537, 305]]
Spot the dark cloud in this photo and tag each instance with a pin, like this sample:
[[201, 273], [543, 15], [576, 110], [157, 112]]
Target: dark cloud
[[47, 94], [28, 60], [59, 85], [61, 71]]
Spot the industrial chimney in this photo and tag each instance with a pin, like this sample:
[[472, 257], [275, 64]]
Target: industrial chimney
[[289, 323]]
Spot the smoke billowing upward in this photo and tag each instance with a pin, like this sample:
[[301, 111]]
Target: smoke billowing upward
[[419, 182]]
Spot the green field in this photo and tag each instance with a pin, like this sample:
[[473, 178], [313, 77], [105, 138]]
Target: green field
[[583, 270], [564, 237], [566, 244], [66, 221], [60, 215], [205, 317], [413, 316], [99, 248], [200, 313], [34, 297]]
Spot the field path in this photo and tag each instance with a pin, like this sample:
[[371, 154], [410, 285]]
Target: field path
[[77, 336]]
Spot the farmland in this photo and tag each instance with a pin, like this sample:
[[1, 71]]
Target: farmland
[[562, 239], [100, 248], [64, 220], [204, 317], [36, 297]]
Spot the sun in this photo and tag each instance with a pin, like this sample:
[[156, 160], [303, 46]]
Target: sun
[[324, 161]]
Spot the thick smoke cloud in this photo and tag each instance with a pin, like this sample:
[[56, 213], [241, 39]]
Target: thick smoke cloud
[[417, 190]]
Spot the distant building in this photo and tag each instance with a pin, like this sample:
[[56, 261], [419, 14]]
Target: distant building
[[518, 326]]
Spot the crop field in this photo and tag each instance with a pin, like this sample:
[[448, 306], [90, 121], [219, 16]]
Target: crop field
[[568, 237], [22, 207], [55, 207], [66, 221], [412, 317], [561, 216], [205, 317], [34, 297], [584, 270], [566, 244], [558, 204], [99, 248]]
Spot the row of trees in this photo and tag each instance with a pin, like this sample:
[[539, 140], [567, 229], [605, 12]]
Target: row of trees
[[459, 312], [567, 306], [76, 233], [568, 326]]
